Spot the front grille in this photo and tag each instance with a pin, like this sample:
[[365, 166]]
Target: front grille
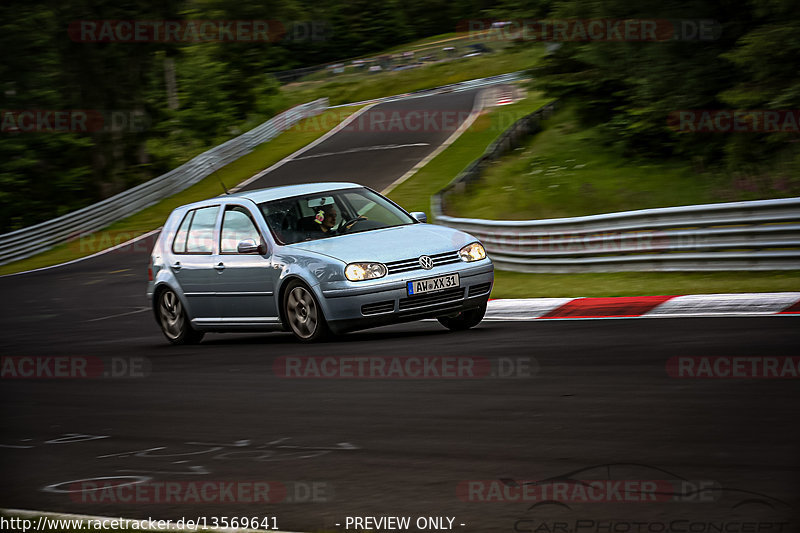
[[408, 265], [476, 290], [377, 307], [445, 296]]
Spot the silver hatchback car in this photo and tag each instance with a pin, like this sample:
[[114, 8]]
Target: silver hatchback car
[[311, 259]]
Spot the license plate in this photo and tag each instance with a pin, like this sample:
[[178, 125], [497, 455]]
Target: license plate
[[421, 286]]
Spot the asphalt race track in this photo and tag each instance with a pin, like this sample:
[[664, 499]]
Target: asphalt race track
[[380, 146], [585, 400]]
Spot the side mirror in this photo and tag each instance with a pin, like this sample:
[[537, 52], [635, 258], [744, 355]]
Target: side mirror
[[249, 246], [419, 215]]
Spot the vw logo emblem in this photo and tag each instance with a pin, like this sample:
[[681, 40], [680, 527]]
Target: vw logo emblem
[[426, 262]]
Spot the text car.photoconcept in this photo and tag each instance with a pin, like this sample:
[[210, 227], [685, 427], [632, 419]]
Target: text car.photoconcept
[[311, 259]]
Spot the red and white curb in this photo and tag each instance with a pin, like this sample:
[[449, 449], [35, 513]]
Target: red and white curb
[[692, 305], [505, 97]]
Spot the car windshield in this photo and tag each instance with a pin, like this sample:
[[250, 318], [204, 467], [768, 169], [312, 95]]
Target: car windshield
[[331, 214]]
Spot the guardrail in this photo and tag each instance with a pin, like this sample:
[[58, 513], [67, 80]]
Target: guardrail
[[507, 141], [755, 235], [452, 87], [32, 240]]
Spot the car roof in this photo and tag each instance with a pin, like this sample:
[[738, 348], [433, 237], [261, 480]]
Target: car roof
[[276, 193], [288, 191]]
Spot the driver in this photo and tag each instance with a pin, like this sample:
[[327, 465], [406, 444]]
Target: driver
[[326, 218]]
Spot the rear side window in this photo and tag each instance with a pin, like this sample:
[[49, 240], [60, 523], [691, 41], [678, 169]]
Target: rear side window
[[196, 233], [179, 244]]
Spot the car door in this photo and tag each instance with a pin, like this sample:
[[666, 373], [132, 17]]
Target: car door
[[191, 262], [244, 282]]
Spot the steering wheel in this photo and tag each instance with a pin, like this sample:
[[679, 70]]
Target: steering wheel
[[343, 227]]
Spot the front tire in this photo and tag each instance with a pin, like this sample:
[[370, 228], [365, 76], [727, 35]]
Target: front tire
[[173, 320], [463, 320], [303, 313]]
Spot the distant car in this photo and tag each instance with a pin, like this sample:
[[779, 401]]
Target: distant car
[[311, 259], [480, 47]]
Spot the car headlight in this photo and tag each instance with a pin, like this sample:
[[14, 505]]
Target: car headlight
[[472, 252], [362, 271]]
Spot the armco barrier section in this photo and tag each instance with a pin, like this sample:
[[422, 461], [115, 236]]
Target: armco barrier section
[[754, 235]]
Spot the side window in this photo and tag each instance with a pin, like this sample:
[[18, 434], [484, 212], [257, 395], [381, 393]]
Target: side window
[[179, 244], [236, 227], [201, 232]]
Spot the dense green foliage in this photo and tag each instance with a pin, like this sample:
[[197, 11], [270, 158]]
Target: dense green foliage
[[630, 88]]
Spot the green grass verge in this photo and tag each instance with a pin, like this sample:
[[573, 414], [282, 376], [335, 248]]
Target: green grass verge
[[521, 285], [153, 217], [414, 194], [360, 86], [567, 171]]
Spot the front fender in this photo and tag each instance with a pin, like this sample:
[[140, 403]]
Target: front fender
[[309, 268]]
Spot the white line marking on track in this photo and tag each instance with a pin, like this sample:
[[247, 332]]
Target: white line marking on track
[[362, 149], [476, 109], [304, 149], [101, 252], [140, 310]]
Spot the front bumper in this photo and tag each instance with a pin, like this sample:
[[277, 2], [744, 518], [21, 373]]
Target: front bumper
[[378, 304]]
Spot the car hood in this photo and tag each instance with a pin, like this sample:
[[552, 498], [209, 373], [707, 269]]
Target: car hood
[[390, 244]]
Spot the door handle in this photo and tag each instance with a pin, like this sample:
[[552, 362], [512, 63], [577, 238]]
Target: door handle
[[177, 266], [220, 267]]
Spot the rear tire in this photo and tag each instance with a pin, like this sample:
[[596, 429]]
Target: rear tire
[[303, 313], [173, 320], [463, 320]]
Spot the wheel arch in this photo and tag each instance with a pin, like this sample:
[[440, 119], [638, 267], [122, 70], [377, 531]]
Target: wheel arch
[[159, 289], [284, 285]]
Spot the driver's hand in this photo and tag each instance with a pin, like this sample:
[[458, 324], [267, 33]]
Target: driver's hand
[[359, 218]]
